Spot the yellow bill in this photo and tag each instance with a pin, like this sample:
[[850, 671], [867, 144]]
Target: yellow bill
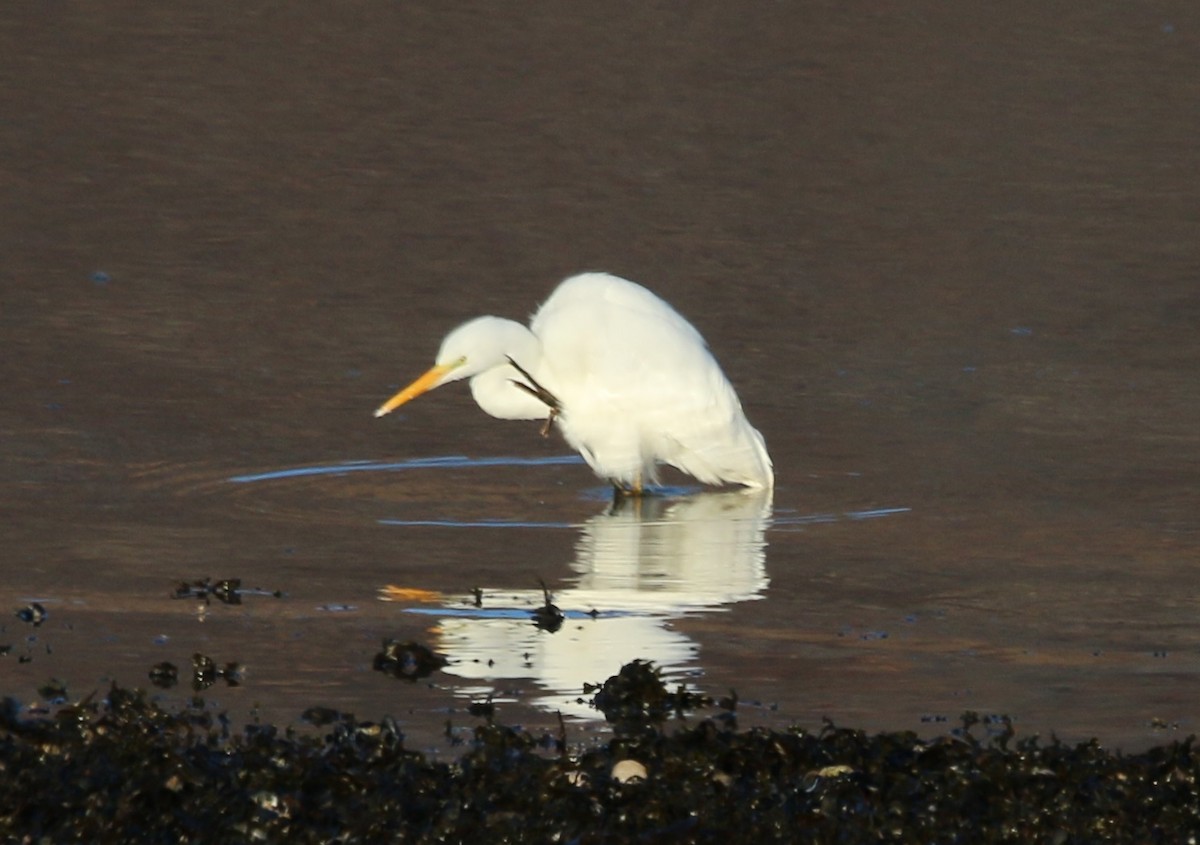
[[422, 385]]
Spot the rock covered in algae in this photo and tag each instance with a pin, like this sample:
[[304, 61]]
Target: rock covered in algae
[[122, 769]]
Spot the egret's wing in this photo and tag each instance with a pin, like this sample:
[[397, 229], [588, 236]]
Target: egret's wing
[[609, 342], [638, 383], [606, 296]]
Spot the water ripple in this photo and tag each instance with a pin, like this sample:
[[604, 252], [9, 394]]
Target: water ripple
[[483, 523], [454, 461]]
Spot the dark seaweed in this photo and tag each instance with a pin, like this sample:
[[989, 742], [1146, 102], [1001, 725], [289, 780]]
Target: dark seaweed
[[225, 590], [125, 770], [409, 661]]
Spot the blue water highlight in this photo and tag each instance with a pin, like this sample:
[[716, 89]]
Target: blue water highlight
[[451, 461], [513, 613], [819, 518], [483, 523]]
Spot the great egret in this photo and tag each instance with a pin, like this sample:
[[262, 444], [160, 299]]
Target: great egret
[[629, 381]]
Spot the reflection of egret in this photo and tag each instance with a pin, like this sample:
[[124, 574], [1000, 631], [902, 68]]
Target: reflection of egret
[[630, 382], [640, 568], [696, 553]]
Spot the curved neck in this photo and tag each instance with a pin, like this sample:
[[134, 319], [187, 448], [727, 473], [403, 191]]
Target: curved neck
[[493, 341]]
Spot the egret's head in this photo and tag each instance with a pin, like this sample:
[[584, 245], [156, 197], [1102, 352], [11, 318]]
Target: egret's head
[[470, 349]]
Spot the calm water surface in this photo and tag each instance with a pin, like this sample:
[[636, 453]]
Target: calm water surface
[[947, 255]]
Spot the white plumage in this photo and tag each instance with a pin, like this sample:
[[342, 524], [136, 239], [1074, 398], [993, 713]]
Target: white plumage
[[628, 380]]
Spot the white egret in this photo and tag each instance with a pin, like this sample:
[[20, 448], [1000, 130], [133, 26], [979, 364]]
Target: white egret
[[628, 380]]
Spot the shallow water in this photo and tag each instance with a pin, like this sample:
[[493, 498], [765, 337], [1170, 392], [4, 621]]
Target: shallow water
[[948, 257]]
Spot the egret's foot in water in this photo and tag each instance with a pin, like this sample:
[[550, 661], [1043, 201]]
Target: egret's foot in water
[[623, 499], [634, 491]]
